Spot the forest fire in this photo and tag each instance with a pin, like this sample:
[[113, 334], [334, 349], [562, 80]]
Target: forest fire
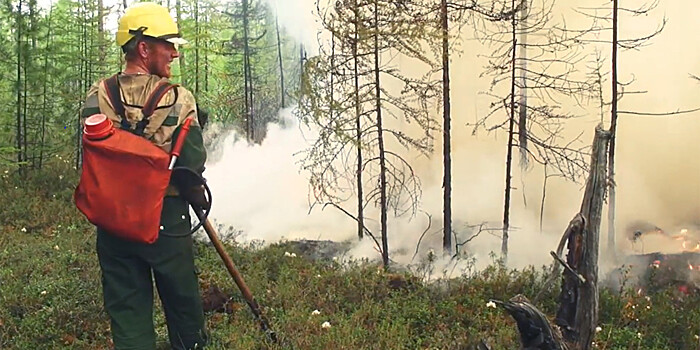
[[675, 263], [656, 271]]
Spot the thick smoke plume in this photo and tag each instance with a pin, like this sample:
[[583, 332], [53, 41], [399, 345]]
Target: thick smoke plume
[[260, 189]]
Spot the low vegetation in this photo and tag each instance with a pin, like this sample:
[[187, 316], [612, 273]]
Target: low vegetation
[[50, 295]]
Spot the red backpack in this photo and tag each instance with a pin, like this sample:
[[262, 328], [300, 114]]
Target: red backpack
[[124, 176]]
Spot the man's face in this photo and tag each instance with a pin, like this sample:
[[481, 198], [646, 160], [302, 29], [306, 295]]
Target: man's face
[[160, 55]]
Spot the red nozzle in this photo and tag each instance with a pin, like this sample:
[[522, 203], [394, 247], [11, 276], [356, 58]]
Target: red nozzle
[[180, 141]]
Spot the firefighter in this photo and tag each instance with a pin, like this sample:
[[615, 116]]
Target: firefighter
[[149, 38]]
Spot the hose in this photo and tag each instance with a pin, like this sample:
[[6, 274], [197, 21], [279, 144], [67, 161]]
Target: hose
[[198, 180]]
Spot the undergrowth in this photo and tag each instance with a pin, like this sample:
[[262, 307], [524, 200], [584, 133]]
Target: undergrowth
[[50, 294]]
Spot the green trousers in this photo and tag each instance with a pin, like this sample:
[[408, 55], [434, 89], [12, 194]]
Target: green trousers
[[128, 271]]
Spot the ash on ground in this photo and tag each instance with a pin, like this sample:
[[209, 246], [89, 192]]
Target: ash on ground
[[657, 271]]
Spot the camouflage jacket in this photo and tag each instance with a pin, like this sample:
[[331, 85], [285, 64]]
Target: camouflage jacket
[[163, 127]]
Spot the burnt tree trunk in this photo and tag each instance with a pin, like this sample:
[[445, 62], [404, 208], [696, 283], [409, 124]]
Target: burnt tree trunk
[[358, 125], [446, 152], [522, 105], [509, 153], [613, 131], [578, 306], [535, 331], [380, 141]]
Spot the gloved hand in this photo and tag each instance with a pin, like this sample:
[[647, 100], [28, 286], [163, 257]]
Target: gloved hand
[[196, 196], [190, 186]]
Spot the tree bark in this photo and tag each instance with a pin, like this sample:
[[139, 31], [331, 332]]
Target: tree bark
[[446, 151], [45, 109], [18, 86], [279, 59], [544, 195], [358, 124], [102, 52], [380, 139], [535, 331], [181, 59], [577, 316], [247, 89], [522, 106], [196, 48], [509, 153], [613, 131]]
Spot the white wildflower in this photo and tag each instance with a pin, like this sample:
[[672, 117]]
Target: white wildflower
[[491, 304], [7, 171], [43, 292], [318, 276], [56, 247], [315, 312], [697, 336], [24, 229], [287, 254], [60, 177], [598, 329], [639, 335], [648, 307], [326, 325]]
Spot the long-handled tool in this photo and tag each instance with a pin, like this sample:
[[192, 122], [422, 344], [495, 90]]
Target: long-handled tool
[[252, 303], [214, 237]]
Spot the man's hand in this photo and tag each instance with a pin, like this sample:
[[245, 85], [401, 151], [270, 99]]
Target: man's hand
[[196, 196]]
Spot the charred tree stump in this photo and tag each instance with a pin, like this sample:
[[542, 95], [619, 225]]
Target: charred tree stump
[[577, 316], [535, 331]]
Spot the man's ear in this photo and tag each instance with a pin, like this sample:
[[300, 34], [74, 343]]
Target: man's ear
[[142, 49]]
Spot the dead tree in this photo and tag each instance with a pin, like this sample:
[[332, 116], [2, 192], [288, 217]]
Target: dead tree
[[610, 14], [546, 64], [357, 141], [578, 307], [577, 316]]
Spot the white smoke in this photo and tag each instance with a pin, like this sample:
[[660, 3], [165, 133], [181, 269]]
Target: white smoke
[[260, 190]]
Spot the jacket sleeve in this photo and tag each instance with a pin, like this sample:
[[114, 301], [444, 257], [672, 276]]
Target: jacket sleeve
[[193, 155]]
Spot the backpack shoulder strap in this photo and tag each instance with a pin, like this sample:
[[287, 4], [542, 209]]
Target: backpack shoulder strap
[[112, 88], [152, 103]]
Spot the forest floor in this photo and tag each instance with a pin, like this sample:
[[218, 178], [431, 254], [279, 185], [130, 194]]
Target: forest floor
[[50, 293]]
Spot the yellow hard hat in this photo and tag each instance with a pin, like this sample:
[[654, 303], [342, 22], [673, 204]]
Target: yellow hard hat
[[150, 19]]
